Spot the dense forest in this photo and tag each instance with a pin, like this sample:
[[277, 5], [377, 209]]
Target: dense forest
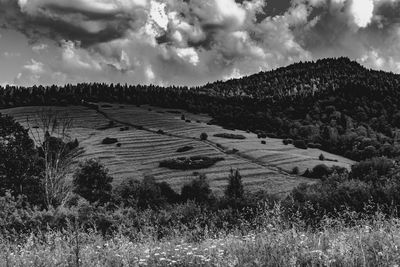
[[333, 104]]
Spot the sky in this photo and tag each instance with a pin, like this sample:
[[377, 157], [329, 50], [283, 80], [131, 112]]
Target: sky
[[187, 42]]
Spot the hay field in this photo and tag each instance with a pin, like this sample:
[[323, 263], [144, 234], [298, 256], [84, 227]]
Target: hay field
[[262, 166], [273, 153]]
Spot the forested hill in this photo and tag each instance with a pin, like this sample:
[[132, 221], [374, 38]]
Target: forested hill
[[304, 78], [333, 104]]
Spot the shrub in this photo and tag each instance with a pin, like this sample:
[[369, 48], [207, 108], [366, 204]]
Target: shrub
[[119, 145], [160, 132], [183, 117], [230, 136], [321, 157], [261, 135], [234, 190], [197, 190], [320, 171], [295, 170], [126, 128], [314, 145], [192, 163], [371, 169], [263, 142], [203, 136], [109, 141], [300, 144], [287, 141], [91, 181], [184, 149], [232, 151], [188, 121]]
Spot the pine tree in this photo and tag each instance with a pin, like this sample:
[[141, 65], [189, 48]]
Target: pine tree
[[234, 189]]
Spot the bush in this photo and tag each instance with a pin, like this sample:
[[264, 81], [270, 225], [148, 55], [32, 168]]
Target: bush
[[287, 141], [295, 170], [109, 141], [197, 190], [184, 149], [232, 151], [160, 132], [126, 128], [263, 142], [230, 136], [261, 135], [203, 136], [183, 117], [300, 144], [192, 163], [372, 169], [234, 190], [91, 181], [321, 157], [320, 171], [314, 145]]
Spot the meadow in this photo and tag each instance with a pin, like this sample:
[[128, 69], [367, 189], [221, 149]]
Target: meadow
[[147, 135], [273, 241]]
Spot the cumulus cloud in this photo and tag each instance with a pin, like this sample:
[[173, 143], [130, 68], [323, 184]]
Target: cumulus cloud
[[192, 42]]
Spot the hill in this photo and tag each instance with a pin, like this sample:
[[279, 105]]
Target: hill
[[147, 135], [333, 104]]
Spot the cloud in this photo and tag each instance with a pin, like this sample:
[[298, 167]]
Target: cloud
[[11, 54], [189, 42], [39, 47]]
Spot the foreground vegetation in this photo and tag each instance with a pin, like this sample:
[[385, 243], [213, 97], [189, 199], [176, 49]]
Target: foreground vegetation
[[374, 241]]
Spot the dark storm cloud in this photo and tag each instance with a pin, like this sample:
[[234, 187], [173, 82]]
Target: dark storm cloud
[[70, 20]]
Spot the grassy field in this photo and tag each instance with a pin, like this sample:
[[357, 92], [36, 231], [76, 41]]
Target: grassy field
[[143, 146], [373, 242]]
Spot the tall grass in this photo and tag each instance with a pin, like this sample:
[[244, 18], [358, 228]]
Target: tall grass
[[270, 241]]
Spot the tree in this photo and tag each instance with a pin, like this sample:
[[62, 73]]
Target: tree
[[234, 190], [92, 181], [197, 190], [203, 136], [20, 166], [145, 194], [51, 135]]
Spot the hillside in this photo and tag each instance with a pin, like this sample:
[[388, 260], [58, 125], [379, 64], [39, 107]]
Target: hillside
[[143, 147], [333, 104]]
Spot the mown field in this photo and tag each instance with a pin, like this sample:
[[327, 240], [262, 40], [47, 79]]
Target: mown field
[[143, 146]]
